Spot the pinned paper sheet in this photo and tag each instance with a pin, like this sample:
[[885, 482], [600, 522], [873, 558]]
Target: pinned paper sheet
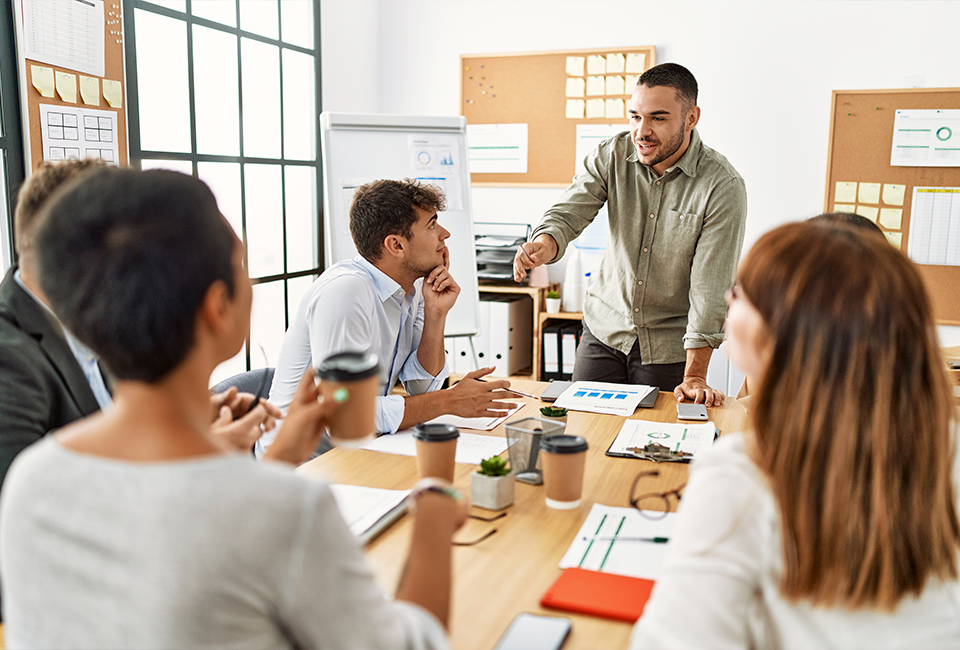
[[575, 87], [615, 63], [613, 110], [67, 86], [113, 93], [868, 212], [90, 90], [895, 238], [42, 78], [846, 192], [869, 193], [575, 109], [614, 85], [595, 108], [893, 194], [636, 63], [596, 85], [575, 66], [844, 207], [596, 64], [891, 218]]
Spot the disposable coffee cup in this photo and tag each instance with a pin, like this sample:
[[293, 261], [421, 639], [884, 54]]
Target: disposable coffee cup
[[351, 379], [436, 450], [564, 459]]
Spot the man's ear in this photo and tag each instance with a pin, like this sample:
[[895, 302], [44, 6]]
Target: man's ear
[[215, 310], [394, 246], [693, 117]]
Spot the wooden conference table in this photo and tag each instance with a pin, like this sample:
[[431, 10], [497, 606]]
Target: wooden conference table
[[510, 571]]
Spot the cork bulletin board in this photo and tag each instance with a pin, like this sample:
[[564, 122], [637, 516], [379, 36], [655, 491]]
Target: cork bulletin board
[[550, 92], [85, 107], [861, 179]]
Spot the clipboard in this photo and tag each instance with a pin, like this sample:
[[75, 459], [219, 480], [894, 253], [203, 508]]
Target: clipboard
[[666, 458]]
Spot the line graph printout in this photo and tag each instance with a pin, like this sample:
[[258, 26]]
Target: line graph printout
[[926, 138], [935, 226]]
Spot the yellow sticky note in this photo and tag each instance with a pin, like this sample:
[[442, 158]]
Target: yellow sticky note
[[575, 87], [891, 218], [113, 93], [596, 85], [42, 78], [595, 108], [868, 212], [575, 109], [614, 85], [90, 90], [67, 87], [895, 238], [869, 193], [845, 192], [893, 194], [615, 63], [575, 66], [596, 64], [845, 207], [636, 63], [613, 110]]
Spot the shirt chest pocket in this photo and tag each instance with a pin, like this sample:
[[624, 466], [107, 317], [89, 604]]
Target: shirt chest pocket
[[678, 232]]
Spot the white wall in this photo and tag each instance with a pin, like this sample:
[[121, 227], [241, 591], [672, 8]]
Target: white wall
[[766, 69]]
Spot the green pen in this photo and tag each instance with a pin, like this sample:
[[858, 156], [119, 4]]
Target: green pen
[[652, 540]]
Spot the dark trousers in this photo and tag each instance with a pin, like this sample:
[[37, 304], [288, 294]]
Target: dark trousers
[[599, 362]]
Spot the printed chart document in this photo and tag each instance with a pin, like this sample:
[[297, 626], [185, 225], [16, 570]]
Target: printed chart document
[[369, 511], [69, 133], [65, 33], [497, 148], [677, 437], [477, 424], [471, 448], [622, 555], [603, 397], [935, 226], [435, 160], [926, 138]]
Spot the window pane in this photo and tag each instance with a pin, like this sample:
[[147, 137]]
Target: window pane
[[296, 24], [221, 11], [267, 322], [299, 114], [224, 182], [162, 93], [6, 257], [216, 91], [261, 99], [176, 5], [297, 288], [260, 17], [182, 166], [302, 218], [230, 367], [264, 203]]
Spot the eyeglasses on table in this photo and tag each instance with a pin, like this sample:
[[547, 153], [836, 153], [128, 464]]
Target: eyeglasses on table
[[653, 505]]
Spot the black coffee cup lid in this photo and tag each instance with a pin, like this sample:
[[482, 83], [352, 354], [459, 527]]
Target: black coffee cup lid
[[436, 432], [562, 444], [348, 366]]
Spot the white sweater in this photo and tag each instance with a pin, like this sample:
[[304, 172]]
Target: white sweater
[[719, 586], [217, 552]]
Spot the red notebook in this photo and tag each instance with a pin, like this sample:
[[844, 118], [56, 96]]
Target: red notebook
[[599, 594]]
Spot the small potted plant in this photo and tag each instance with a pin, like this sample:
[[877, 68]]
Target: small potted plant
[[553, 302], [491, 486], [556, 412]]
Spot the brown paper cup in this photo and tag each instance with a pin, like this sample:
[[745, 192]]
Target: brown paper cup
[[352, 424], [563, 473], [437, 459]]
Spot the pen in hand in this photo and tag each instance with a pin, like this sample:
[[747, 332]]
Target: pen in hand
[[256, 398], [510, 389]]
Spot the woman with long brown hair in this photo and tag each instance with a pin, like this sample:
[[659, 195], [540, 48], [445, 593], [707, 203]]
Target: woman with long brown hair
[[833, 523]]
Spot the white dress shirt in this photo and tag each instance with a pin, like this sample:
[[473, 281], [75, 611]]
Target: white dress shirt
[[720, 583], [355, 306]]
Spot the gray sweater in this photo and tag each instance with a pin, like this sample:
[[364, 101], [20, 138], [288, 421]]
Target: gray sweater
[[216, 552]]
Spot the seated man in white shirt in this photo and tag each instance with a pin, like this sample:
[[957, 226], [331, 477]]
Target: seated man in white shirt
[[392, 300]]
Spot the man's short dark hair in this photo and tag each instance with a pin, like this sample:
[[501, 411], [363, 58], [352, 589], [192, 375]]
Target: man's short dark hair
[[126, 258], [675, 76], [39, 186], [385, 207]]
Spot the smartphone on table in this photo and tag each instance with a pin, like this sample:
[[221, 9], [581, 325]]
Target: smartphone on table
[[533, 632], [687, 411]]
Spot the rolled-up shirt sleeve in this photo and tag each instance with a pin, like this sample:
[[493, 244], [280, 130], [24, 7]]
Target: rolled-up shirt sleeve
[[715, 264]]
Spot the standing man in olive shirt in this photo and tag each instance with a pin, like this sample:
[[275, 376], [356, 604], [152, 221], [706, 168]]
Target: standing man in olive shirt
[[677, 211]]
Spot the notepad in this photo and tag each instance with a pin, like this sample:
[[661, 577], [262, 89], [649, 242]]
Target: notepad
[[599, 594], [369, 511]]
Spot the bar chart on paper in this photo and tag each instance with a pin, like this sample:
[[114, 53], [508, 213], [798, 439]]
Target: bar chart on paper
[[935, 226]]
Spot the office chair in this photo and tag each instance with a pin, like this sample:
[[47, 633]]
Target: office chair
[[248, 382]]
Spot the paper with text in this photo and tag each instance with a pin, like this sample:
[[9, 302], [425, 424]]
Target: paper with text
[[935, 226], [65, 33], [926, 138], [497, 148], [677, 437], [471, 447], [603, 397], [362, 507], [69, 133]]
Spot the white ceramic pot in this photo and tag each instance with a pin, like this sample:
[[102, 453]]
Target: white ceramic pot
[[491, 492], [553, 305]]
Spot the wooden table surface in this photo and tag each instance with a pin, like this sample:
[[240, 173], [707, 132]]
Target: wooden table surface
[[509, 572]]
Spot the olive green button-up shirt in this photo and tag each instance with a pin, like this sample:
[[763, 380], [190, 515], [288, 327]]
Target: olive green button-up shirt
[[672, 249]]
